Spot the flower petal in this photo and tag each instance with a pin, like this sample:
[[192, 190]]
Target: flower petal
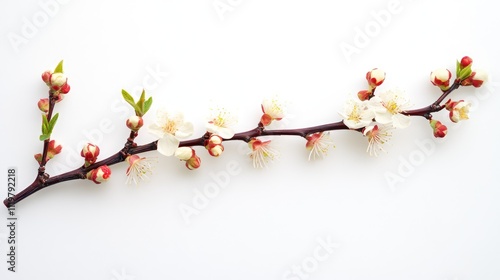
[[184, 130], [383, 117], [156, 130], [225, 132], [167, 145], [400, 121]]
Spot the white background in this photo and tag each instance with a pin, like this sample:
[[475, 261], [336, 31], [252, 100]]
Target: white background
[[441, 223]]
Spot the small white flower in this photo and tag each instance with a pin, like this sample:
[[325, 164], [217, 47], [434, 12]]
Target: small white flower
[[388, 106], [377, 136], [356, 114], [139, 168], [318, 144], [459, 110], [220, 123], [170, 128], [272, 109], [261, 152]]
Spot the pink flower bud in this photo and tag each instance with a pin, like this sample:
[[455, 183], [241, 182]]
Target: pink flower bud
[[54, 148], [43, 105], [441, 78], [193, 163], [46, 76], [364, 95], [90, 152], [465, 61], [214, 145], [100, 174], [438, 129], [215, 150], [65, 88], [188, 155], [57, 80], [375, 77], [135, 123], [478, 77]]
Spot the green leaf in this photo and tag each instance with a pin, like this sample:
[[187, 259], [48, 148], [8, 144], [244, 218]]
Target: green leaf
[[130, 100], [459, 67], [52, 122], [45, 124], [140, 104], [59, 67], [465, 72], [44, 137], [147, 105]]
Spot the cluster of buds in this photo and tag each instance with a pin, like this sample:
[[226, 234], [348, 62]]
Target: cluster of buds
[[53, 149], [100, 174], [90, 152], [464, 74], [467, 76], [214, 145], [57, 82], [188, 155], [375, 78]]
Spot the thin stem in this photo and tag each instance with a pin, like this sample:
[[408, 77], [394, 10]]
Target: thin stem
[[43, 161]]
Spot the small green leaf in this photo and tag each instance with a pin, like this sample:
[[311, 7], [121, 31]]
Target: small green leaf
[[459, 67], [130, 100], [465, 72], [44, 137], [52, 122], [147, 105], [59, 67], [45, 124], [140, 104]]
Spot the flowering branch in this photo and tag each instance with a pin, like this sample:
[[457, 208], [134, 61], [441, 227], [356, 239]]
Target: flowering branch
[[371, 115]]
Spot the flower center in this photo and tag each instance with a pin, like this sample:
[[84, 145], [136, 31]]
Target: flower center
[[170, 127], [392, 107], [355, 115]]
